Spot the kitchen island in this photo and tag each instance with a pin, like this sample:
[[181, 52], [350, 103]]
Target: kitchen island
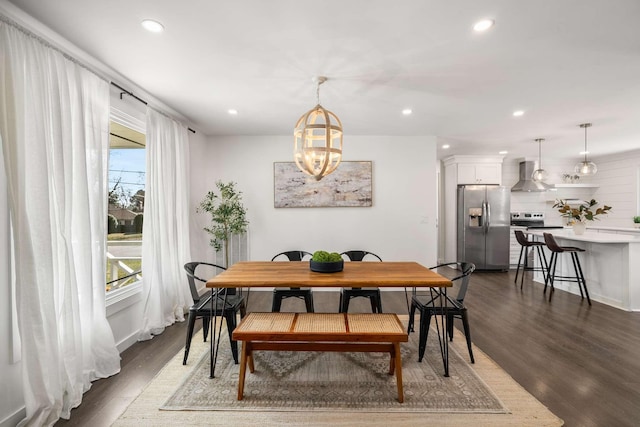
[[611, 265]]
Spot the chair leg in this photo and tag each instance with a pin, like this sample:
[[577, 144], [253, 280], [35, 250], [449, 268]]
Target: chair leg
[[467, 333], [206, 321], [192, 322], [546, 280], [552, 271], [450, 326], [575, 270], [340, 302], [584, 282], [412, 314], [518, 267], [379, 301], [425, 323], [277, 302], [345, 302], [524, 265], [308, 300], [230, 317], [543, 263], [374, 305]]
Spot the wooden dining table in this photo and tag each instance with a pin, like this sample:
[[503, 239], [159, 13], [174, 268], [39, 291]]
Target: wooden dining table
[[265, 274]]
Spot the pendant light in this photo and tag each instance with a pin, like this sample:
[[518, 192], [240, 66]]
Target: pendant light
[[586, 167], [317, 148], [539, 175]]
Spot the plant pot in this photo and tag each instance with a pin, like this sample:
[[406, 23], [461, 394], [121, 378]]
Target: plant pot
[[326, 267], [579, 228]]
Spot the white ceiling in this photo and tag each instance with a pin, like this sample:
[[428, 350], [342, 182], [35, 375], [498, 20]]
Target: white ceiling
[[563, 62]]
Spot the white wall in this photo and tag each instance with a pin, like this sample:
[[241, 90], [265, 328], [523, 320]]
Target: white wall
[[202, 161], [399, 226], [619, 179]]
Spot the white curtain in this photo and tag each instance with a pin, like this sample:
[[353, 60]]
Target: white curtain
[[165, 246], [54, 117]]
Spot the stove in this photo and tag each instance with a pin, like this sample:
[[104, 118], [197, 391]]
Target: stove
[[528, 219]]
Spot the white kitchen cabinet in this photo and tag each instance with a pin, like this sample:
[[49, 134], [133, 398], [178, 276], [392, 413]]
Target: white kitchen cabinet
[[480, 173]]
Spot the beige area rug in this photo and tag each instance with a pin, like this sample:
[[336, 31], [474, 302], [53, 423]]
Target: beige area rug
[[320, 381], [484, 394]]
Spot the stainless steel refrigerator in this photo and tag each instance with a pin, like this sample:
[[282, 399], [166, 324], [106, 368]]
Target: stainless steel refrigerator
[[483, 226]]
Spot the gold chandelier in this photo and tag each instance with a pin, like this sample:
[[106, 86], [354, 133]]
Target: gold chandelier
[[317, 146]]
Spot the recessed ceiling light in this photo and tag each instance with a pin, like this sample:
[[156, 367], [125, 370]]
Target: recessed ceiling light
[[483, 25], [233, 112], [518, 113], [502, 152], [153, 26], [445, 146], [407, 111]]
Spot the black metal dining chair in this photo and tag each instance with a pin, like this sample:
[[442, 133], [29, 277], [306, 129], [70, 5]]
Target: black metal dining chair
[[428, 306], [346, 294], [280, 294], [201, 307]]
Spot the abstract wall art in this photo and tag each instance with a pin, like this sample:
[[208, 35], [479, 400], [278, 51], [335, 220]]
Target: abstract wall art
[[348, 186]]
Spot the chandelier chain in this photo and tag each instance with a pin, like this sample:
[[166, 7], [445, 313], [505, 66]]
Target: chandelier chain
[[540, 153], [585, 143]]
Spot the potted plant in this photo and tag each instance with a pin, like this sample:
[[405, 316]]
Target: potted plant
[[228, 215], [326, 262], [578, 216], [636, 221]]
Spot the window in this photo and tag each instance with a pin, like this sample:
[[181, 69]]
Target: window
[[126, 180]]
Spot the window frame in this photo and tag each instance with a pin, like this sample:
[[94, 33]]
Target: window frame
[[119, 299]]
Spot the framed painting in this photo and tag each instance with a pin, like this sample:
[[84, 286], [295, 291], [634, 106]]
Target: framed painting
[[348, 186]]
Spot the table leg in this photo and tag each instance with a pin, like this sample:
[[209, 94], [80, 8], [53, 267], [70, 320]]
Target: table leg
[[445, 321], [215, 336], [441, 326]]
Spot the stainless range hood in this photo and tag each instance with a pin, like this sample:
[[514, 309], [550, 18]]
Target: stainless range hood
[[526, 183]]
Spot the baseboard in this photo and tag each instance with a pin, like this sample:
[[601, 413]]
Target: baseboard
[[13, 419], [126, 342]]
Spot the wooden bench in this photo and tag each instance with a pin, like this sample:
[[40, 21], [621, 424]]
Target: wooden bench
[[369, 332]]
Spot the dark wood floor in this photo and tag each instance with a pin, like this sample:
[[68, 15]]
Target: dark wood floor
[[582, 362]]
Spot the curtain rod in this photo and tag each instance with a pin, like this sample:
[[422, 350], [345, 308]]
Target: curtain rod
[[124, 91]]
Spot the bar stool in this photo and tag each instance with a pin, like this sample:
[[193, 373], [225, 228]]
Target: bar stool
[[525, 244], [551, 276]]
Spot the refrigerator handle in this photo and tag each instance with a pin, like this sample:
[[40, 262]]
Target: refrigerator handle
[[487, 213]]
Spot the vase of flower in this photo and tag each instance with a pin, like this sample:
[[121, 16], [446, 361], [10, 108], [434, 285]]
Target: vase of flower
[[579, 215], [579, 228]]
